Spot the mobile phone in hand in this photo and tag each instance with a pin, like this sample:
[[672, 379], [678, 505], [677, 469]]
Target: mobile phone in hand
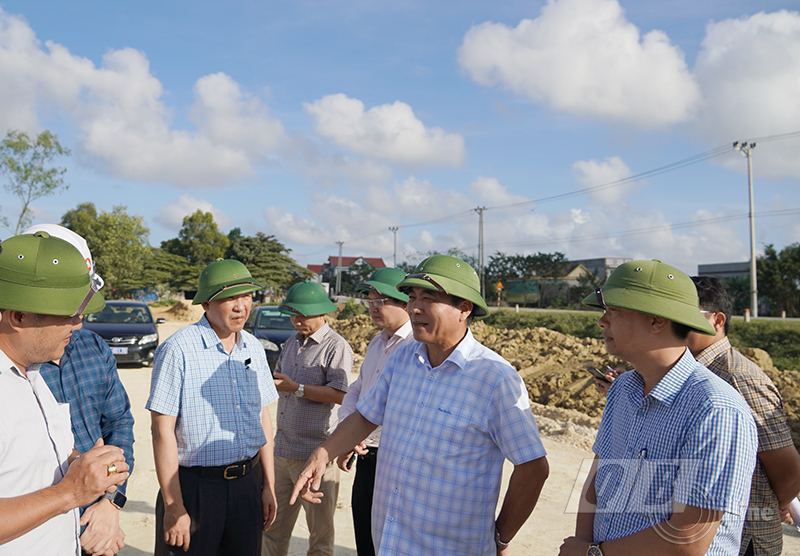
[[351, 461], [598, 374]]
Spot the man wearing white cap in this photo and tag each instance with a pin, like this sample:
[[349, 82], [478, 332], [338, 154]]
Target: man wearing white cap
[[86, 378]]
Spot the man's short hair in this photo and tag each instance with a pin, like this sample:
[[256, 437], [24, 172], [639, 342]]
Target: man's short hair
[[714, 296]]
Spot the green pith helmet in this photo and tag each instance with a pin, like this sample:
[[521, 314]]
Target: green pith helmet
[[449, 275], [45, 275], [222, 279], [653, 288], [307, 299], [384, 282]]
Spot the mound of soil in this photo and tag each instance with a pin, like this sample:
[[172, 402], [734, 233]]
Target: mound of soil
[[553, 366]]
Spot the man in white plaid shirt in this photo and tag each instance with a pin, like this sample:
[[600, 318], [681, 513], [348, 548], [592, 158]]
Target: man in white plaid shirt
[[452, 412]]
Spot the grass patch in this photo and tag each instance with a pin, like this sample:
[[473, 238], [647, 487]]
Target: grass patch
[[779, 338], [580, 324]]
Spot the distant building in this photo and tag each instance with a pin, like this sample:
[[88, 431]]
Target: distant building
[[602, 268], [725, 270], [529, 292]]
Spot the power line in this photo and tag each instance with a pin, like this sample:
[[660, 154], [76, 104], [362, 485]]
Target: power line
[[651, 229]]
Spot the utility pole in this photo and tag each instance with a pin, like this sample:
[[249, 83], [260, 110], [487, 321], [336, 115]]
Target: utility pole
[[394, 229], [339, 269], [480, 210], [747, 150]]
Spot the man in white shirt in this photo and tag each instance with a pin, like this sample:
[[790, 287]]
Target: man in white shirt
[[387, 308], [44, 289]]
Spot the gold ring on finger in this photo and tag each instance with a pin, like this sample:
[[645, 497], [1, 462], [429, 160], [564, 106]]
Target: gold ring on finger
[[112, 469]]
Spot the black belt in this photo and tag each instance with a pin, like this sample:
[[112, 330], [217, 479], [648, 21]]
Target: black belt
[[232, 471], [372, 453]]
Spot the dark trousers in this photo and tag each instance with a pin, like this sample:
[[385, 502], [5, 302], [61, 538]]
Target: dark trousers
[[361, 502], [227, 515]]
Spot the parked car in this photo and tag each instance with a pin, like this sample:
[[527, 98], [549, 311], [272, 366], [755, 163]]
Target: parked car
[[129, 330], [272, 328]]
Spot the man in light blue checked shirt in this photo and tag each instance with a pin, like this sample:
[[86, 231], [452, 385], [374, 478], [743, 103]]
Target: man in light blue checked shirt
[[677, 445], [212, 432], [452, 412]]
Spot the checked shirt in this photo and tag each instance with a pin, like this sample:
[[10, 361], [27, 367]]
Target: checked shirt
[[691, 440], [446, 432], [322, 359], [216, 396]]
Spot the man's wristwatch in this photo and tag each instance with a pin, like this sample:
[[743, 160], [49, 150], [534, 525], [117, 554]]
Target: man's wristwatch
[[497, 540], [594, 550], [116, 498], [301, 391]]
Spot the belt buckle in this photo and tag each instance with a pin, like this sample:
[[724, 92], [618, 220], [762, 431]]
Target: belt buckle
[[235, 466]]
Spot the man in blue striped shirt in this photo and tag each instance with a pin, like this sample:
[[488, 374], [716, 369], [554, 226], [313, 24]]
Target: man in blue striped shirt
[[677, 445]]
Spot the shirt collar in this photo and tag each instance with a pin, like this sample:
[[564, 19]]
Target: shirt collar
[[711, 352], [210, 338], [400, 334], [458, 357], [671, 384], [317, 336]]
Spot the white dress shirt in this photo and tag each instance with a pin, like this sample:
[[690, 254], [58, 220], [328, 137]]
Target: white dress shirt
[[35, 442]]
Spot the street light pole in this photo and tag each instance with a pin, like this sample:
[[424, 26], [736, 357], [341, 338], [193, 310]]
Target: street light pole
[[480, 210], [339, 269], [394, 229], [747, 150]]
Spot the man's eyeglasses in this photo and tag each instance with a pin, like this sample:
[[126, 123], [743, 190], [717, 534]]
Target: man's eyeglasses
[[380, 302]]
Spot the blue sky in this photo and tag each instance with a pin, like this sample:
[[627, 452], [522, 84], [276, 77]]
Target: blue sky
[[320, 122]]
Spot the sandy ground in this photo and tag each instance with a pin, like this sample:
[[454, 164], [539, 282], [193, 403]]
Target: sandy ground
[[552, 520]]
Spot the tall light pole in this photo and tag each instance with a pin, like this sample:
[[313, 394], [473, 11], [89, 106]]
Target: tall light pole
[[480, 210], [394, 229], [339, 268], [747, 150]]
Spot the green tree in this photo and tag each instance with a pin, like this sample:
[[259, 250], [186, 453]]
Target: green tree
[[267, 259], [779, 280], [26, 165], [119, 245], [739, 288], [168, 271], [199, 240]]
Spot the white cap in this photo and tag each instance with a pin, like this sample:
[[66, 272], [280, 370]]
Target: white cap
[[77, 241]]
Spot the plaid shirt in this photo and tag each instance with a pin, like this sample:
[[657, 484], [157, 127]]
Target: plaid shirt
[[446, 432], [87, 379], [763, 523], [217, 396], [691, 440], [322, 359]]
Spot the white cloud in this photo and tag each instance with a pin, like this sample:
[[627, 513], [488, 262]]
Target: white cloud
[[592, 173], [493, 192], [584, 57], [118, 106], [390, 133], [171, 216], [292, 228], [748, 69]]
